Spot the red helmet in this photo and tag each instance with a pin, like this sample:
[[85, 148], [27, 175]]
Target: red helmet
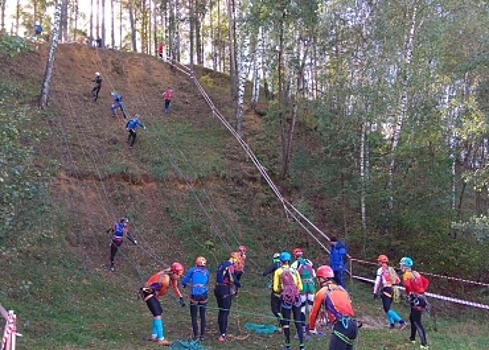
[[383, 259], [325, 272], [297, 252], [242, 249], [177, 268], [200, 261]]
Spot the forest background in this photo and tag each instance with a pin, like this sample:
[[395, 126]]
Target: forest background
[[373, 115]]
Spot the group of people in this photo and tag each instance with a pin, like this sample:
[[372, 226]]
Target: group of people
[[293, 297], [117, 104]]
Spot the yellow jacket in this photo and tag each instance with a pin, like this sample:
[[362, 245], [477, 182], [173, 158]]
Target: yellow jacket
[[277, 283]]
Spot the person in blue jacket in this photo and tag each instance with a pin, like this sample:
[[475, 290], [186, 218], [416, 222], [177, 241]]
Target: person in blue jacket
[[226, 280], [337, 260], [117, 104], [198, 276], [131, 126]]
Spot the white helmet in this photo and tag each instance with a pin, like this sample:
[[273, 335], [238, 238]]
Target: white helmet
[[97, 74], [37, 23]]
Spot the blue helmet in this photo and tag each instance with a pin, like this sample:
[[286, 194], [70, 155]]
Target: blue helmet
[[406, 262], [285, 257]]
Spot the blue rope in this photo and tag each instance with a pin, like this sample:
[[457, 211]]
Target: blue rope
[[186, 345]]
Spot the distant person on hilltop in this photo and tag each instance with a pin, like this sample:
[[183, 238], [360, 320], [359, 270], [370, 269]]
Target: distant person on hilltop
[[117, 104], [118, 231], [337, 260], [131, 126], [168, 96], [37, 28], [96, 88], [160, 50]]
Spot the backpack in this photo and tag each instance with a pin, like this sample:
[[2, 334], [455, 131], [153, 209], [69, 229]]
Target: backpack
[[420, 281], [290, 293], [119, 230]]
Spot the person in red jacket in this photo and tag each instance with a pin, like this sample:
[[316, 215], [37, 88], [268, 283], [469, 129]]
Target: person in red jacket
[[415, 285], [337, 303], [160, 50], [157, 286], [168, 96]]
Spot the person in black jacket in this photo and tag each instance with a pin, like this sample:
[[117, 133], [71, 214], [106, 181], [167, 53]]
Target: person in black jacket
[[96, 88], [274, 298]]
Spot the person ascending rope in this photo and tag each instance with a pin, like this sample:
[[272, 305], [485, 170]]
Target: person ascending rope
[[117, 104], [96, 88], [274, 297], [198, 276], [118, 231], [287, 283], [385, 282], [131, 126], [157, 286], [308, 275], [337, 303], [415, 286], [226, 282]]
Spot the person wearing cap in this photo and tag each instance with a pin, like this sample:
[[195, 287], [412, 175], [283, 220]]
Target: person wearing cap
[[157, 286], [226, 283], [118, 230], [168, 96], [117, 104], [274, 297], [96, 88], [131, 126], [198, 277]]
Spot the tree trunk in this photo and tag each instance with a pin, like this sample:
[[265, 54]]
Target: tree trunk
[[2, 16], [104, 34], [257, 60], [112, 24], [133, 27], [64, 21], [191, 34], [44, 96], [232, 49], [91, 24]]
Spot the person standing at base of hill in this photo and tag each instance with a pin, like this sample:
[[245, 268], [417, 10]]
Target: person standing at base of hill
[[198, 276], [118, 231], [336, 301], [96, 88], [385, 281], [168, 96], [337, 260], [157, 286], [274, 297]]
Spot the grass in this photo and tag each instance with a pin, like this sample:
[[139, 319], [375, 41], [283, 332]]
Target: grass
[[186, 194]]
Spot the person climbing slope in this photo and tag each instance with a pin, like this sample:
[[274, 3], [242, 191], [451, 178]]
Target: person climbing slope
[[198, 277], [275, 303], [287, 283], [96, 88], [308, 275], [415, 286], [157, 286], [226, 282], [118, 231], [337, 303], [168, 96], [385, 281], [131, 126], [117, 104]]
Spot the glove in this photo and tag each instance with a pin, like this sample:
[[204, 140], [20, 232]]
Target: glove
[[135, 242], [375, 296], [182, 302]]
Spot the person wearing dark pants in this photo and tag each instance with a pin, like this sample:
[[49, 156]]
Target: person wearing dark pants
[[274, 297], [118, 231], [131, 126], [167, 95], [198, 277], [96, 88], [226, 281], [337, 260]]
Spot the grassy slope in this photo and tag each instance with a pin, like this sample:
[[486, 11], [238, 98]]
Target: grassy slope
[[185, 185]]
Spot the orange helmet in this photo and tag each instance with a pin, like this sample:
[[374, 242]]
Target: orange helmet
[[235, 257], [177, 268], [325, 272], [242, 249], [383, 259], [297, 252], [200, 261]]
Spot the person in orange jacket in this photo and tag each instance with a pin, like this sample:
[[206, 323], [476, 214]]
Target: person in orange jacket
[[415, 285], [157, 286], [240, 265], [337, 303]]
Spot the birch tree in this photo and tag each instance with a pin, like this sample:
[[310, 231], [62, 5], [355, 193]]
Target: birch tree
[[44, 96]]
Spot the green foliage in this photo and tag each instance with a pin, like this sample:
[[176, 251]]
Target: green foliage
[[207, 81], [13, 45]]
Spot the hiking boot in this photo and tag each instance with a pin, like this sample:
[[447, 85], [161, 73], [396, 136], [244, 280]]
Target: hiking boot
[[222, 338], [402, 326], [201, 338], [426, 347], [111, 267], [164, 342], [286, 347]]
